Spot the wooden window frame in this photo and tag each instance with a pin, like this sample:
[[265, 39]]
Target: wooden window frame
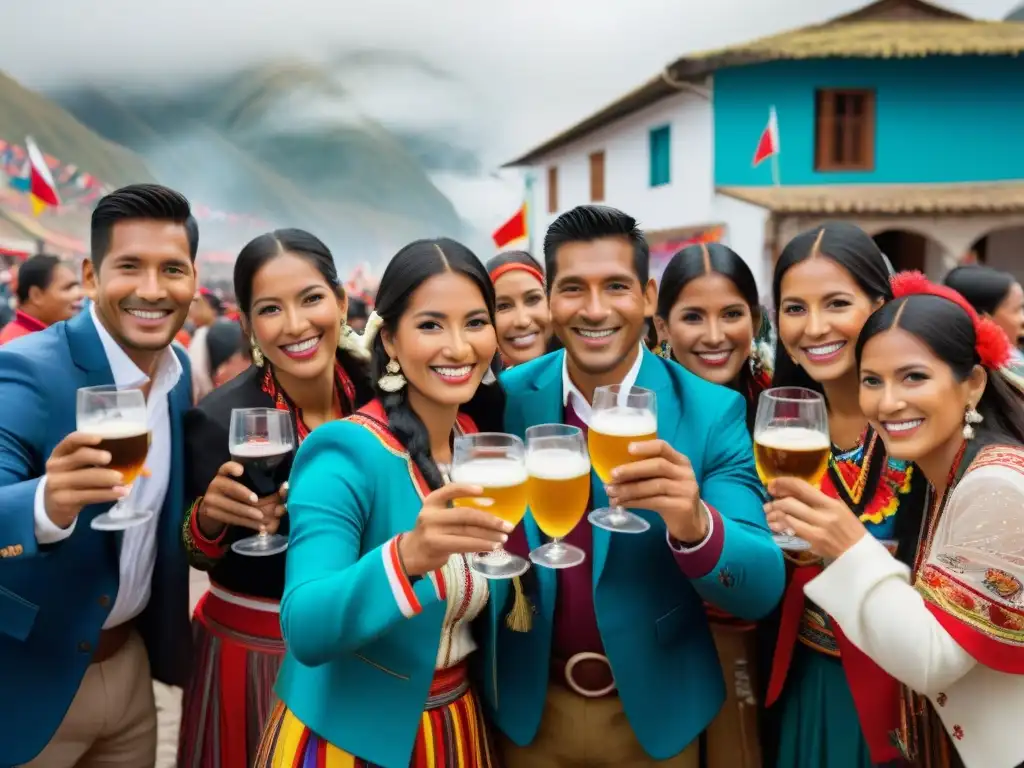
[[658, 129], [825, 132], [552, 189], [597, 176]]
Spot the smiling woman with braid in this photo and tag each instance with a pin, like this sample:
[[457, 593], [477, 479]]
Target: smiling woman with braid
[[378, 594]]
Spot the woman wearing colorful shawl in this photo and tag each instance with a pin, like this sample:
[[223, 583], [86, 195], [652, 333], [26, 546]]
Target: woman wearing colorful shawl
[[950, 627], [832, 701], [710, 319], [294, 314]]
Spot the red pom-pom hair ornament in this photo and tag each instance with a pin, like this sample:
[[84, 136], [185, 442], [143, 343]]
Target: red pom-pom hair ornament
[[991, 344]]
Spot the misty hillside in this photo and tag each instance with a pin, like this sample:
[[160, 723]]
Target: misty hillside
[[283, 143], [24, 112]]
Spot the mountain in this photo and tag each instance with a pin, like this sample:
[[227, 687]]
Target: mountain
[[284, 143]]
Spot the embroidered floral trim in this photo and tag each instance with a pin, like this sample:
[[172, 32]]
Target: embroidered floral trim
[[203, 553], [853, 469], [971, 607]]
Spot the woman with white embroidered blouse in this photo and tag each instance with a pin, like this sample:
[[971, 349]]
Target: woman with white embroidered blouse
[[951, 630]]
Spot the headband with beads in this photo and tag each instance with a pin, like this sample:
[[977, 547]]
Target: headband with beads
[[991, 344]]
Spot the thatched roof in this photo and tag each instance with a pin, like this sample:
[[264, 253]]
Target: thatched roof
[[885, 29], [886, 199], [864, 40]]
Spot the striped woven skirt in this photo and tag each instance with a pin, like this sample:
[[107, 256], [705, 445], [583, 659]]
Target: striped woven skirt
[[452, 734], [230, 696]]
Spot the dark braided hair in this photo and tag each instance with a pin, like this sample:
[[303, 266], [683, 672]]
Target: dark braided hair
[[410, 268]]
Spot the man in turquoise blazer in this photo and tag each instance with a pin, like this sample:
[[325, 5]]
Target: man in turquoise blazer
[[625, 633], [88, 618]]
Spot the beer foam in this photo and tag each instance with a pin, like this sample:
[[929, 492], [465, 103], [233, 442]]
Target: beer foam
[[556, 464], [115, 430], [624, 422], [257, 450], [490, 473], [793, 439]]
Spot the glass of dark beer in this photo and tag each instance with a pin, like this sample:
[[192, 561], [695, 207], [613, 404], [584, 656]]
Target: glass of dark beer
[[117, 415], [791, 439], [260, 440]]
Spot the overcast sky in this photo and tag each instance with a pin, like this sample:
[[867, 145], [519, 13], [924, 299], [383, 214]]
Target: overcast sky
[[522, 69]]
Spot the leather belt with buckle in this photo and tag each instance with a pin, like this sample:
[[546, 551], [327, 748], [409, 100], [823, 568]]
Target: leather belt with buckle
[[587, 674]]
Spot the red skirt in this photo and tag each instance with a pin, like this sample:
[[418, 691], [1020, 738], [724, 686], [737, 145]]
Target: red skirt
[[230, 697]]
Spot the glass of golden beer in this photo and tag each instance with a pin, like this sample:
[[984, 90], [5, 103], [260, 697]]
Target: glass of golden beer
[[791, 439], [497, 463], [117, 415], [558, 489], [621, 416], [260, 439]]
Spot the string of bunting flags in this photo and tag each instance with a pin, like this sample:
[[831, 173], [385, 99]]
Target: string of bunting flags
[[78, 188]]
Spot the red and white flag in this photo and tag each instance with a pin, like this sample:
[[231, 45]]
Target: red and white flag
[[42, 190], [768, 144]]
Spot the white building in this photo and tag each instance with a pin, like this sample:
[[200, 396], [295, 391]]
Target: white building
[[650, 154]]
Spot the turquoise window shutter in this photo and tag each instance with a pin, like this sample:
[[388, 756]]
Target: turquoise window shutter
[[660, 140]]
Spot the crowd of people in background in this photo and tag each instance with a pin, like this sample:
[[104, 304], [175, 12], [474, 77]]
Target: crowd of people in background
[[867, 614]]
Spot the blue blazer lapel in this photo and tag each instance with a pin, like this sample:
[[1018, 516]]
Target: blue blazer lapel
[[172, 514], [88, 355], [87, 351], [654, 377]]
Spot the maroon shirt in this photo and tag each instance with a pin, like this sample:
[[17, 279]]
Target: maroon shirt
[[575, 628]]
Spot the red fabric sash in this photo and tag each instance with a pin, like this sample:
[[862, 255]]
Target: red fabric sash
[[876, 695]]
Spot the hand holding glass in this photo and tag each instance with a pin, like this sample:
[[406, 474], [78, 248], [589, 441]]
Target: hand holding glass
[[558, 489], [622, 415], [117, 415], [495, 462], [791, 439], [260, 440]]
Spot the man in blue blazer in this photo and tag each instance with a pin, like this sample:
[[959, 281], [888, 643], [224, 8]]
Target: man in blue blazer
[[88, 618], [619, 667]]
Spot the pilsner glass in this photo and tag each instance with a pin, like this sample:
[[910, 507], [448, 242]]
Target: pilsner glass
[[496, 462], [621, 415], [558, 489], [260, 440], [791, 439], [118, 416]]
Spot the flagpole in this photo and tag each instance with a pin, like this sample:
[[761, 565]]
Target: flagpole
[[529, 213], [775, 170]]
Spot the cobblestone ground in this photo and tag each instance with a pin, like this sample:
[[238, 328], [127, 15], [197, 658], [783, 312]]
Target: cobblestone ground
[[168, 699]]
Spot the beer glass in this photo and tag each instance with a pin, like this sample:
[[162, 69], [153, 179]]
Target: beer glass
[[621, 415], [496, 462], [558, 489], [791, 439], [260, 440], [118, 416]]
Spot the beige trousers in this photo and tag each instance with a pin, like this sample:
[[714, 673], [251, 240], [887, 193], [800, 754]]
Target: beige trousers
[[576, 732], [112, 719]]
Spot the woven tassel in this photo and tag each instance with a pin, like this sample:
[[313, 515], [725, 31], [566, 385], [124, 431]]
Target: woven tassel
[[520, 618]]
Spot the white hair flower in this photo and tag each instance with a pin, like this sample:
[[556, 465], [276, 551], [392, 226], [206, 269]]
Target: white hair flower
[[359, 345]]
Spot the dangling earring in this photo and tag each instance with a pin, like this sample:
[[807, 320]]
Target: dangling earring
[[257, 353], [971, 417], [393, 380]]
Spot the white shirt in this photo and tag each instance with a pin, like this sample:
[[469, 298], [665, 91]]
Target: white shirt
[[585, 411], [580, 404], [138, 545]]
